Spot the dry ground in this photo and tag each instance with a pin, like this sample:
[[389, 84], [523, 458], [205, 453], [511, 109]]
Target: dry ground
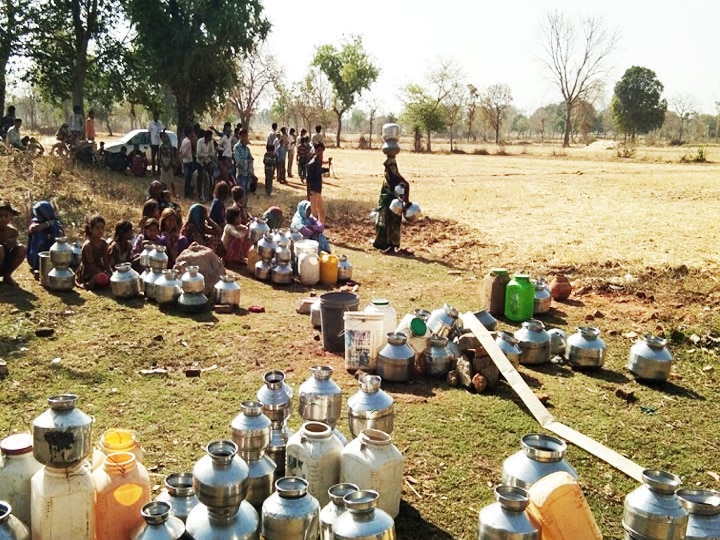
[[637, 238]]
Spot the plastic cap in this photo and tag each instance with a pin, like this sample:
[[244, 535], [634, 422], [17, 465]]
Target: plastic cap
[[380, 301], [418, 327]]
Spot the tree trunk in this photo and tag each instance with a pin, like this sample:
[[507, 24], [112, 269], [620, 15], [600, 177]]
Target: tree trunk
[[3, 65], [428, 148], [338, 113], [451, 139], [568, 123], [370, 135], [108, 126], [183, 109]]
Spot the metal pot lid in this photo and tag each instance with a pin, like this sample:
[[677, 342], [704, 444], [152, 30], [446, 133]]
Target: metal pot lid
[[338, 491], [541, 447], [180, 484], [156, 512], [661, 481], [291, 487], [512, 498], [703, 502], [364, 500]]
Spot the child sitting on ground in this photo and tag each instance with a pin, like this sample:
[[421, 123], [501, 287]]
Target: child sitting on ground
[[12, 252], [121, 245], [94, 270], [43, 230], [150, 235], [170, 234], [236, 239]]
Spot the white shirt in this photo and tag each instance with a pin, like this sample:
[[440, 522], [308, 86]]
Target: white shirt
[[291, 142], [226, 145], [205, 151], [272, 139], [155, 128], [186, 150]]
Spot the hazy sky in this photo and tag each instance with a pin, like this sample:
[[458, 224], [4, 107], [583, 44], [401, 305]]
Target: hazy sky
[[498, 42]]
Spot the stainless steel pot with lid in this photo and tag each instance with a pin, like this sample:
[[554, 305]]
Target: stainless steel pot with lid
[[653, 511], [540, 455], [62, 435]]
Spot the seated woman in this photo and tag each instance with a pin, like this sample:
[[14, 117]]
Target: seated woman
[[235, 239], [307, 225], [94, 270], [44, 228], [198, 227], [121, 246], [151, 209]]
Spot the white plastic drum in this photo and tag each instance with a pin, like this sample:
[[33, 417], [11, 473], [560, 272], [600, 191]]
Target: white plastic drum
[[309, 268], [306, 246], [363, 339]]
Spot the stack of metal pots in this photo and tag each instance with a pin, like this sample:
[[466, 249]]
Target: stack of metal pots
[[220, 481], [251, 433], [282, 272], [266, 247], [124, 282], [370, 407], [291, 512], [227, 291], [540, 455], [61, 277], [157, 261], [192, 299], [320, 399], [276, 396]]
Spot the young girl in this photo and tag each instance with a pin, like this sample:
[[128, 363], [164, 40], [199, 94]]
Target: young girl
[[169, 233], [151, 209], [217, 207], [236, 240], [121, 245], [198, 227], [43, 230], [150, 234], [270, 161], [306, 224], [238, 196], [94, 270]]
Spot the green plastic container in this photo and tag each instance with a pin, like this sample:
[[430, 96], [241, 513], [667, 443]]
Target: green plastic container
[[519, 298]]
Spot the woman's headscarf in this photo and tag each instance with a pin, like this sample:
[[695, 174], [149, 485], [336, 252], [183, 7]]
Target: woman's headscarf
[[196, 217], [41, 241], [300, 219]]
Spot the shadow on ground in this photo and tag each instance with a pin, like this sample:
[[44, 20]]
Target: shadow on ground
[[410, 525]]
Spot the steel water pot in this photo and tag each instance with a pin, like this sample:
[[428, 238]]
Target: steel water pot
[[124, 281], [585, 348], [263, 270], [266, 246], [540, 455], [148, 247], [395, 361], [220, 477], [558, 341], [703, 505], [653, 511], [345, 268], [370, 407], [179, 493], [61, 253], [437, 359], [280, 434], [650, 359], [319, 397], [330, 512], [238, 523], [282, 274], [61, 279], [149, 279], [192, 280], [276, 396], [251, 429], [258, 229], [62, 435], [227, 290], [192, 302], [160, 523], [291, 513], [363, 520], [506, 519], [534, 342], [509, 346], [443, 322], [168, 287], [158, 259], [11, 528], [261, 479], [412, 213], [543, 299]]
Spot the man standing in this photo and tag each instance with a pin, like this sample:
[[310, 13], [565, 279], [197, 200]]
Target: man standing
[[291, 152], [186, 155], [154, 129], [317, 137], [245, 171], [205, 155], [272, 136], [90, 126]]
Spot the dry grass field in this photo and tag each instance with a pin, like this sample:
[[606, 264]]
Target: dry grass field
[[637, 237]]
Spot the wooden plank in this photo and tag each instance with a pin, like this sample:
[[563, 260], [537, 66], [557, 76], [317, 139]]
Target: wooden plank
[[538, 410]]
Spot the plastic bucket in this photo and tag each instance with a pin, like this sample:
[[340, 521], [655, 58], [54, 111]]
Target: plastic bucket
[[306, 246], [332, 307], [44, 268], [363, 339]]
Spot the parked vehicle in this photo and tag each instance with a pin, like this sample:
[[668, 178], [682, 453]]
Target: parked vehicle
[[137, 136]]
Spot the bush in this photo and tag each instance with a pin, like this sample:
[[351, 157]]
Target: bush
[[698, 156], [624, 150], [481, 152]]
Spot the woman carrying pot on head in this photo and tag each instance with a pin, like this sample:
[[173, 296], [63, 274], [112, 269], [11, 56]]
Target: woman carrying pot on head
[[388, 226], [306, 224]]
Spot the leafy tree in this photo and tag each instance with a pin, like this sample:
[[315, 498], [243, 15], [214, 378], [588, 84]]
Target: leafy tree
[[423, 112], [349, 71], [69, 39], [258, 76], [576, 55], [520, 125], [636, 105], [473, 104], [15, 19], [494, 104], [190, 46]]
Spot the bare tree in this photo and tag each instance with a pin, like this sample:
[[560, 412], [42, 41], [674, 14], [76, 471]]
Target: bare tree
[[576, 55], [684, 106], [494, 104], [258, 77]]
